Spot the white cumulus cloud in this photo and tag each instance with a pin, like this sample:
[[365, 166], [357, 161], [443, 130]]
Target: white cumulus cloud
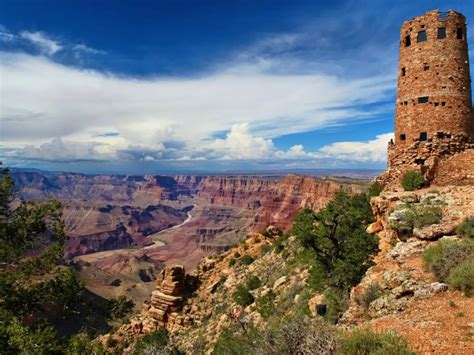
[[373, 150]]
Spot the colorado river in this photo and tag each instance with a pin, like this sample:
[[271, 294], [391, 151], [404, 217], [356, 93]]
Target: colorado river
[[159, 243], [153, 237]]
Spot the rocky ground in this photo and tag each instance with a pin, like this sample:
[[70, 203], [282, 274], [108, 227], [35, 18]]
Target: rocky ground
[[432, 316]]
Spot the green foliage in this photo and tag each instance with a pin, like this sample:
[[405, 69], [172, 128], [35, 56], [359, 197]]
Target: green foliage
[[152, 343], [417, 216], [253, 282], [235, 341], [413, 180], [366, 342], [37, 291], [337, 237], [372, 292], [374, 189], [462, 277], [279, 243], [119, 307], [266, 304], [28, 340], [236, 255], [264, 249], [336, 301], [442, 258], [232, 262], [81, 343], [242, 296], [294, 335], [246, 260], [466, 228]]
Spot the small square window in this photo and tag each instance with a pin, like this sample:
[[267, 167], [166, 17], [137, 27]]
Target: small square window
[[407, 41], [423, 136], [443, 103], [426, 67], [436, 104], [403, 137], [423, 99], [441, 32], [459, 33], [421, 36]]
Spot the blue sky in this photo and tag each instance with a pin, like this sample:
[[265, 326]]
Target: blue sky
[[150, 86]]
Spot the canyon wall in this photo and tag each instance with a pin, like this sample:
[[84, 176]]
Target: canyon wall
[[275, 200], [119, 211]]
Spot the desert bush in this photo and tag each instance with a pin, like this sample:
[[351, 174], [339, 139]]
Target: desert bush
[[242, 296], [374, 189], [156, 343], [413, 180], [246, 260], [253, 282], [265, 304], [442, 258], [361, 342], [462, 277], [466, 228], [294, 335], [336, 302], [265, 249], [417, 216], [299, 335], [236, 255], [235, 341], [232, 262], [279, 243], [370, 294]]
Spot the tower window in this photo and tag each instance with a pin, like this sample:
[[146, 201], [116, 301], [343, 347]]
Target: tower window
[[423, 136], [436, 104], [421, 36], [459, 33], [441, 32], [403, 137], [426, 67], [407, 41], [404, 71], [443, 103], [423, 100]]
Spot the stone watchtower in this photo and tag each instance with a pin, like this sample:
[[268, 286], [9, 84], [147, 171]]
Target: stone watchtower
[[434, 120], [434, 87]]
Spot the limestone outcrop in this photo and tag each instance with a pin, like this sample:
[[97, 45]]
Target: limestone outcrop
[[167, 300], [163, 310]]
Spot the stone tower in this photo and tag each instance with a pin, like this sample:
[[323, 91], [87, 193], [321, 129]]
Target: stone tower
[[434, 121], [434, 87]]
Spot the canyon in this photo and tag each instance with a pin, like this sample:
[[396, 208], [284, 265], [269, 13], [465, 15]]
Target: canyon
[[123, 229]]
